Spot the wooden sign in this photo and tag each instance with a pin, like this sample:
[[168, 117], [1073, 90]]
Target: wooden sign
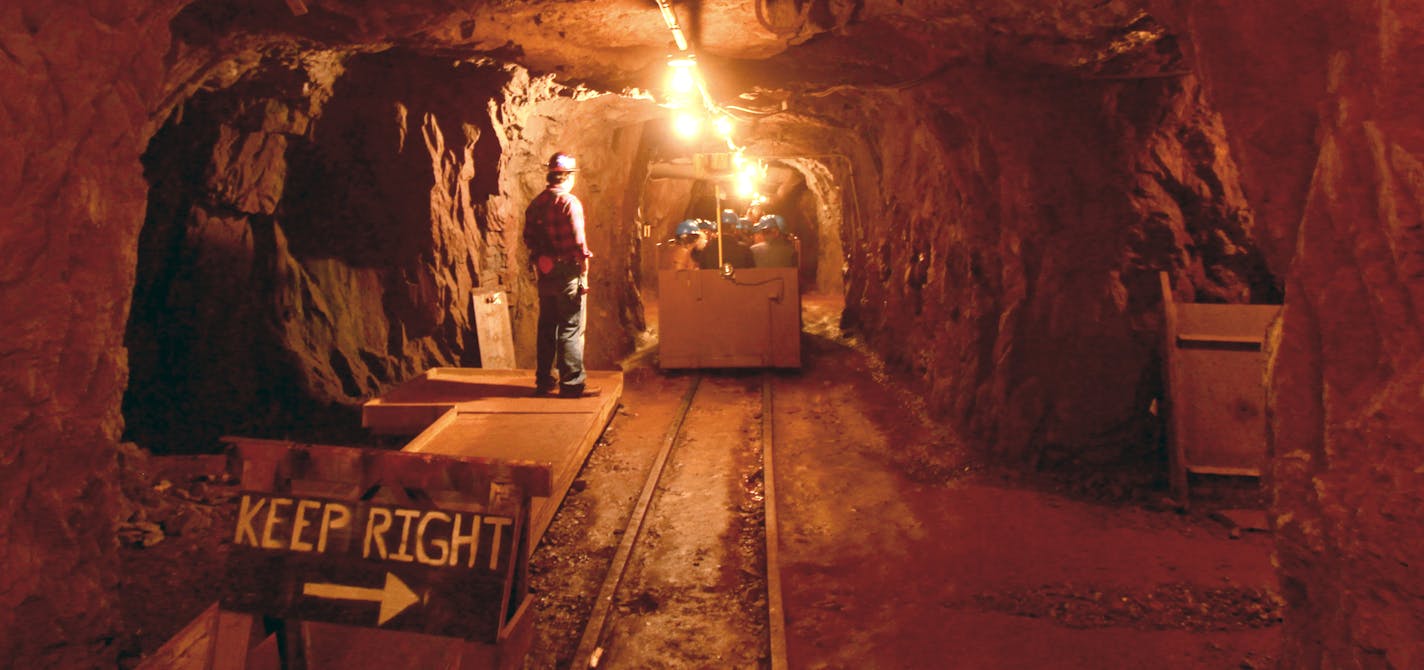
[[427, 570], [428, 545]]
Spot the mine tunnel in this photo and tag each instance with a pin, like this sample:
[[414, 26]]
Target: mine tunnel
[[254, 218]]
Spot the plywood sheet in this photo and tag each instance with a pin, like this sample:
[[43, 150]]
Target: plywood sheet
[[492, 327], [1220, 401], [1244, 321]]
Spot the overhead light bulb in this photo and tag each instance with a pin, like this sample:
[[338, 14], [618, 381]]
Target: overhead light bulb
[[682, 75], [748, 176], [746, 187], [686, 125], [682, 81]]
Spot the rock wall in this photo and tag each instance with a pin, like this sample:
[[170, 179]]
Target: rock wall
[[306, 244], [604, 132], [1321, 100], [1013, 232], [77, 86], [318, 230]]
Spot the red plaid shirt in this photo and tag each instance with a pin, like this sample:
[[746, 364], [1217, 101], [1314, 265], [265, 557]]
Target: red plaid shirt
[[553, 226]]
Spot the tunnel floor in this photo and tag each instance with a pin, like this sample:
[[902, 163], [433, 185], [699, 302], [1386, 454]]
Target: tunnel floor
[[899, 548]]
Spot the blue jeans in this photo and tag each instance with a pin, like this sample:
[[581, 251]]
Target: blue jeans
[[561, 309]]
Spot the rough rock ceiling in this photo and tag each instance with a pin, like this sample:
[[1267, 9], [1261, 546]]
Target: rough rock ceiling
[[771, 44]]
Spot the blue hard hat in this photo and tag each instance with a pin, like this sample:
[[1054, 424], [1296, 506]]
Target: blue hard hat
[[729, 218], [769, 222], [743, 225], [706, 225], [687, 227]]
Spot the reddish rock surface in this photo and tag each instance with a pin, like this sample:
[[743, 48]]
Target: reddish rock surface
[[350, 206], [1319, 105]]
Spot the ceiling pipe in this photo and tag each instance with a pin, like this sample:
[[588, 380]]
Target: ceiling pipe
[[670, 19]]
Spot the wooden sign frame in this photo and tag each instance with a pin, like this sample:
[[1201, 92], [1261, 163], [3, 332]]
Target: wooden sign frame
[[364, 479]]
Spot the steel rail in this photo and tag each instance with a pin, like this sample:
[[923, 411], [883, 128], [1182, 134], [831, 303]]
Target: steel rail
[[589, 652], [775, 611]]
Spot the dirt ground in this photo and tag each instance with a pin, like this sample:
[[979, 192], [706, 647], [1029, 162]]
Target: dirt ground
[[901, 548]]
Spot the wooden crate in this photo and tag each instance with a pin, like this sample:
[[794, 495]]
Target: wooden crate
[[1215, 372]]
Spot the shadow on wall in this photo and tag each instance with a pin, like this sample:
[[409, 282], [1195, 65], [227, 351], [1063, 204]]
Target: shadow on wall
[[311, 238]]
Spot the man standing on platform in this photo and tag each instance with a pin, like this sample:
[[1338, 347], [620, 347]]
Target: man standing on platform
[[558, 248]]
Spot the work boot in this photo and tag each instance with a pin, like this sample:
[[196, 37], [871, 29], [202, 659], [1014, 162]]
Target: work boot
[[543, 391], [584, 392]]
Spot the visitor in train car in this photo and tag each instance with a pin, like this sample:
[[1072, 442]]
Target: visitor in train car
[[755, 211], [736, 241], [558, 249], [769, 248], [706, 257], [690, 242], [725, 235], [784, 227]]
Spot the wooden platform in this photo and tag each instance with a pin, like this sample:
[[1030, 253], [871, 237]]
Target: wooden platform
[[493, 414]]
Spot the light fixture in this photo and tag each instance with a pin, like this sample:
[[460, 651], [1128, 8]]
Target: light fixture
[[746, 187], [749, 176], [682, 75], [686, 124]]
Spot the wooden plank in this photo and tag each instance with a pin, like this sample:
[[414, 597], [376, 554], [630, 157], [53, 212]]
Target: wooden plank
[[1208, 338], [560, 440], [432, 432], [1226, 320], [352, 648], [472, 390], [492, 329], [543, 509], [515, 639], [418, 470], [232, 638], [383, 418], [1176, 463], [298, 7], [190, 648], [265, 656], [495, 416], [1224, 471], [1220, 403]]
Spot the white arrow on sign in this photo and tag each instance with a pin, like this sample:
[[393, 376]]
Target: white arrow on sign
[[394, 598]]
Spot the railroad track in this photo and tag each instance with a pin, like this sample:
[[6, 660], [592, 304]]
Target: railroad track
[[723, 423]]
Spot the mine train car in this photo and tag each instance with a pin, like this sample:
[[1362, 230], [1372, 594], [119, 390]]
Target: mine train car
[[729, 318]]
